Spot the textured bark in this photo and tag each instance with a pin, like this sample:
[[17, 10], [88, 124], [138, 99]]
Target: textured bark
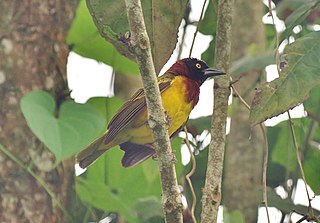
[[33, 56], [245, 145], [171, 198], [212, 190]]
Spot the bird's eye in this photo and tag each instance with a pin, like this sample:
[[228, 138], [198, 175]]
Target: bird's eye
[[198, 65]]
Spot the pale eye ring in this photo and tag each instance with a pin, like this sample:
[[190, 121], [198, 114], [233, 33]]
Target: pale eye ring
[[198, 65]]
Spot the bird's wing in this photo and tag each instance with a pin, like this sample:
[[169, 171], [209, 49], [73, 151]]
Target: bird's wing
[[132, 108]]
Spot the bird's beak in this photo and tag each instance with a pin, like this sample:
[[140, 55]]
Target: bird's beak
[[211, 72]]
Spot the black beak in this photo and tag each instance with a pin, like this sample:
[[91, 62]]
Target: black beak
[[211, 72]]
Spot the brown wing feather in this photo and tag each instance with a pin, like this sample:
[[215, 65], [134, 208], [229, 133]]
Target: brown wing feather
[[132, 108]]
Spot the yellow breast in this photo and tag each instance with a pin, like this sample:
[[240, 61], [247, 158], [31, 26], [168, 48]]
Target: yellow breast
[[177, 105]]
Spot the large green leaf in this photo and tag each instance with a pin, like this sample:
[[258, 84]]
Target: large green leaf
[[85, 40], [127, 184], [104, 198], [312, 104], [131, 186], [312, 169], [208, 27], [209, 22], [296, 80], [208, 55], [233, 216], [76, 126], [302, 9], [107, 106], [276, 173], [162, 19], [283, 151]]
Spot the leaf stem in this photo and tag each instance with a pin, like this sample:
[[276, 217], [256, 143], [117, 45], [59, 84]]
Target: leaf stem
[[311, 214], [197, 29], [192, 171], [264, 174]]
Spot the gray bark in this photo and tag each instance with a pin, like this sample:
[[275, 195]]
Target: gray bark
[[243, 167], [33, 56]]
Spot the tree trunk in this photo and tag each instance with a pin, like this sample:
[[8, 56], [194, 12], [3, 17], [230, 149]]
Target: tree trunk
[[245, 145], [33, 56]]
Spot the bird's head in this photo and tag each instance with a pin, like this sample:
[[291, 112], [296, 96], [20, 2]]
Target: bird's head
[[194, 69]]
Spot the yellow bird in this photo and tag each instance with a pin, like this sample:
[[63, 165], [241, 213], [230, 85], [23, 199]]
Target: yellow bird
[[180, 89]]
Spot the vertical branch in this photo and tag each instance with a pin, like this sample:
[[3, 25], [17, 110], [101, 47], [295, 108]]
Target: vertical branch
[[212, 190], [264, 174], [171, 199]]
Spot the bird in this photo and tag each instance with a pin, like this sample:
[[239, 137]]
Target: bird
[[179, 88]]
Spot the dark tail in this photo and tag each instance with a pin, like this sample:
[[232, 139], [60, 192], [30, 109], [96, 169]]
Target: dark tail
[[89, 154], [135, 154]]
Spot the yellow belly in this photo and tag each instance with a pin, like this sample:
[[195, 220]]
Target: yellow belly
[[177, 110]]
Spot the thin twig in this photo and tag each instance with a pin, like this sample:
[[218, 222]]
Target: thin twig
[[264, 174], [240, 97], [189, 175], [197, 29], [194, 163], [41, 182], [299, 161]]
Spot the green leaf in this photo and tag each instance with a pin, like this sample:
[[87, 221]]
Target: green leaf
[[292, 5], [76, 126], [129, 183], [162, 20], [312, 169], [126, 185], [283, 151], [233, 216], [104, 198], [208, 55], [107, 106], [295, 81], [86, 41], [276, 173], [248, 63], [312, 104], [298, 16], [208, 24]]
